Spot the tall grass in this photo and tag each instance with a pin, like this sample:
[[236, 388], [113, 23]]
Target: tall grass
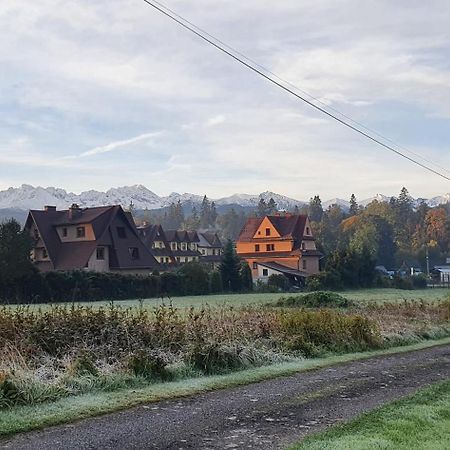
[[72, 349]]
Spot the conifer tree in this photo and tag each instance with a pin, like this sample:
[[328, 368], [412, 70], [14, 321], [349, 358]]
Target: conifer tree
[[230, 269], [353, 205]]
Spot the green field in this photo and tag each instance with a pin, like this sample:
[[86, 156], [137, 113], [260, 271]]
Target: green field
[[362, 296], [420, 422]]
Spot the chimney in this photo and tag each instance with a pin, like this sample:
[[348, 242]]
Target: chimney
[[49, 208], [74, 211]]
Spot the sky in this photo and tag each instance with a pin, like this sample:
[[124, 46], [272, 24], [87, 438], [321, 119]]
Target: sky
[[103, 94]]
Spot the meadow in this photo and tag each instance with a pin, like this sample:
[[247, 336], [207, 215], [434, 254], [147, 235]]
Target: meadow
[[361, 296]]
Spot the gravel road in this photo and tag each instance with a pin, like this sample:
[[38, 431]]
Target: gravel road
[[267, 415]]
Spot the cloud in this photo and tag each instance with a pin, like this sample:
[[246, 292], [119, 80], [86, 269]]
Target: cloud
[[76, 73], [119, 144], [216, 120]]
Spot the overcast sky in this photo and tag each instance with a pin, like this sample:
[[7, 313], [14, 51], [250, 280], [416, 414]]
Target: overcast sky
[[95, 94]]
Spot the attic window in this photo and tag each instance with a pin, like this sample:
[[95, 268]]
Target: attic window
[[121, 232], [307, 230], [134, 252], [267, 231], [36, 234], [44, 253], [81, 232]]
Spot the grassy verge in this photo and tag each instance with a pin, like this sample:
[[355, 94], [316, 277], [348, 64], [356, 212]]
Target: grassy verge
[[25, 418], [419, 422]]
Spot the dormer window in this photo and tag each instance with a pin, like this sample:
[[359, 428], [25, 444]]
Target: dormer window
[[267, 231], [81, 232]]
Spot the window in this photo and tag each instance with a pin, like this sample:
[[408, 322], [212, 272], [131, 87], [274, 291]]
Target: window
[[259, 233], [183, 246], [255, 265], [303, 246], [304, 264], [44, 253], [100, 253], [134, 252], [64, 232], [265, 272], [267, 231], [270, 247], [307, 230], [178, 259], [121, 232], [257, 248], [203, 251], [81, 232], [36, 234], [167, 259], [173, 245]]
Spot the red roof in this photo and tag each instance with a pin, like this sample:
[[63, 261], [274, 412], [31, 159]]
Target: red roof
[[288, 227]]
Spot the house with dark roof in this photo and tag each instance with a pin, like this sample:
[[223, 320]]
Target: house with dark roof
[[102, 239], [279, 244], [210, 248], [183, 245], [154, 238]]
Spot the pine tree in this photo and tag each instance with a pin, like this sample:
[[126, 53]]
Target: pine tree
[[205, 212], [315, 209], [272, 207], [246, 277], [213, 214], [15, 247], [230, 269], [353, 206], [261, 210]]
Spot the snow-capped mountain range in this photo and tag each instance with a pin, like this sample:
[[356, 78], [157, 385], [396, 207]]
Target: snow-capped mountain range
[[29, 197]]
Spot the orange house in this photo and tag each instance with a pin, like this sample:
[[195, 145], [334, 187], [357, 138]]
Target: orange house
[[279, 244]]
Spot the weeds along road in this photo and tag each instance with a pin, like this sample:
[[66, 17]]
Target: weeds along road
[[267, 415]]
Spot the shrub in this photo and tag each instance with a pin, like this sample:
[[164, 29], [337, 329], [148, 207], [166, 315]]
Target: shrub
[[278, 281], [150, 365], [318, 299], [83, 364], [329, 331]]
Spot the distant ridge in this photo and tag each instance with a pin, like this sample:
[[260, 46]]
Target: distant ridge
[[29, 197]]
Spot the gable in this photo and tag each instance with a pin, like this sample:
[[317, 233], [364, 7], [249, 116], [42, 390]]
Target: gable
[[266, 229]]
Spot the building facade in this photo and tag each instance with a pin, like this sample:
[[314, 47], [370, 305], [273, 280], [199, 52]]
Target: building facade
[[279, 244], [102, 239]]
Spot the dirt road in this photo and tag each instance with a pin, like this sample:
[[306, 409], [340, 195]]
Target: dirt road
[[267, 415]]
